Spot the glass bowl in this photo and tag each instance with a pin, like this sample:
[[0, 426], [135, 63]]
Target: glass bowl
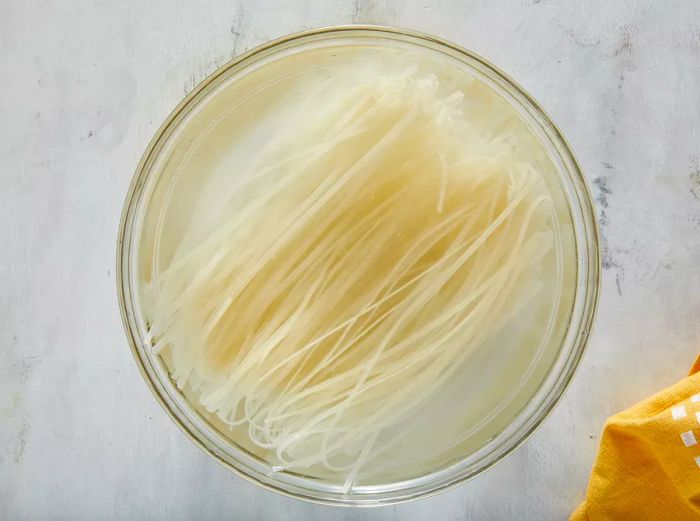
[[554, 373]]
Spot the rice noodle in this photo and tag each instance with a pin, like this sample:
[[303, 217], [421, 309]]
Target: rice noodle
[[350, 270]]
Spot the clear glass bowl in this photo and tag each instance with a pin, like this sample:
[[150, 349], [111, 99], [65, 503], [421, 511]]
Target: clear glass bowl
[[551, 384]]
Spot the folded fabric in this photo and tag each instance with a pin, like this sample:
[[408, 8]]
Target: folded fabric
[[648, 464]]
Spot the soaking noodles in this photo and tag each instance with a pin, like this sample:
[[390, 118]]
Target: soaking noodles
[[337, 282]]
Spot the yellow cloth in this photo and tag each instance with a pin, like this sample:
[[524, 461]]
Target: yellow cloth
[[646, 468]]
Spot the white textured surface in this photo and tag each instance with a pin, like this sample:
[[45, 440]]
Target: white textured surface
[[84, 86]]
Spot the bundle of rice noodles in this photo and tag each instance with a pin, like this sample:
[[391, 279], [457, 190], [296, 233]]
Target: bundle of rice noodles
[[349, 271]]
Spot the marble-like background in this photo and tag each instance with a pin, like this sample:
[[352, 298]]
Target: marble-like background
[[85, 84]]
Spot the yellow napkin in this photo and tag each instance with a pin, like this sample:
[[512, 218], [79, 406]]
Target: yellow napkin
[[648, 465]]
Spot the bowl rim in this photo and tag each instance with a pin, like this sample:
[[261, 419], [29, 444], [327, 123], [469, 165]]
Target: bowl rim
[[592, 247]]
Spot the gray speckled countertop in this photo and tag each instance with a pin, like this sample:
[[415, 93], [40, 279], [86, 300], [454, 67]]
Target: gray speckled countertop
[[85, 85]]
